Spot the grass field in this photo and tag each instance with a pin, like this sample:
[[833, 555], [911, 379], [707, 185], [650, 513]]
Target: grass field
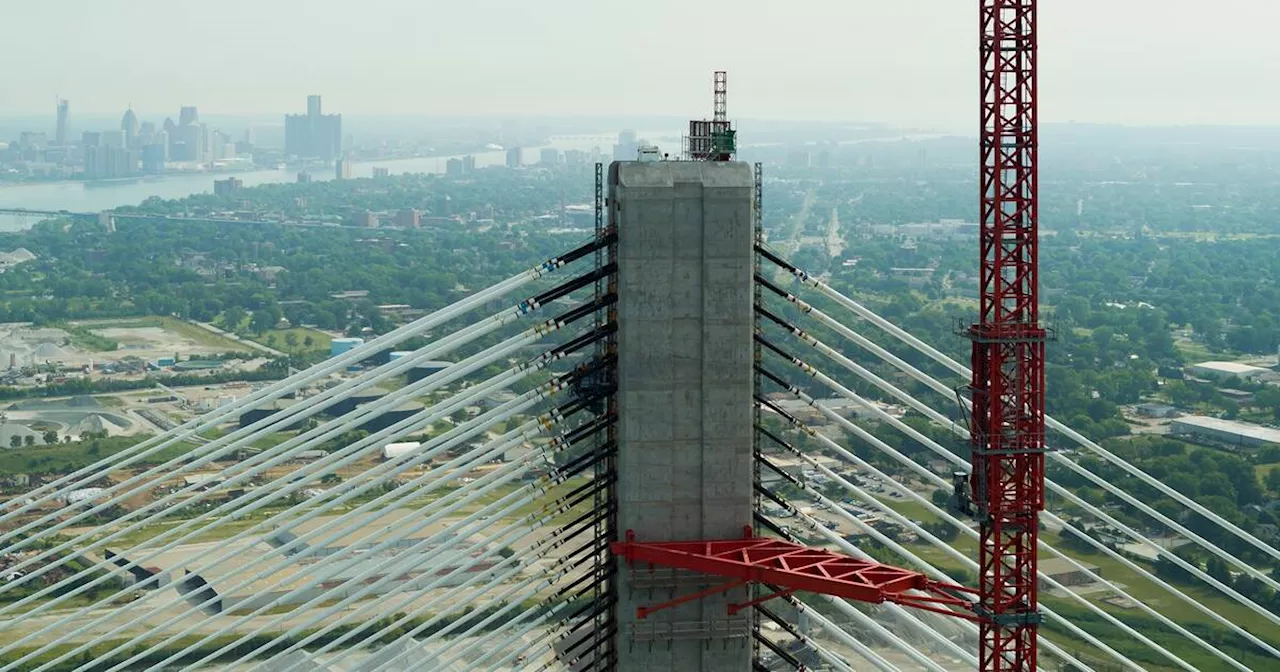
[[193, 332], [84, 339], [1194, 351], [277, 338], [65, 457]]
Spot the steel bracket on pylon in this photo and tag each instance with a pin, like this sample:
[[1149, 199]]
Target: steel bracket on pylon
[[793, 567]]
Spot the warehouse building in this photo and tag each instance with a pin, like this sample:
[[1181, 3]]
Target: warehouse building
[[1226, 370], [1225, 432], [1066, 573]]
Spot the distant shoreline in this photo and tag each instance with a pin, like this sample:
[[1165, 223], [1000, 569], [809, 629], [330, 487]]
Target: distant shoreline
[[214, 173]]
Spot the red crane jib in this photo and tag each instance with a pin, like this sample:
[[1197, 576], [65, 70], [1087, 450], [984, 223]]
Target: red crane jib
[[792, 567]]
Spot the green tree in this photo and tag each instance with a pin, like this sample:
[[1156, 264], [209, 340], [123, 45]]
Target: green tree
[[29, 440], [308, 341], [265, 318], [291, 339], [233, 318], [50, 438], [15, 441], [1273, 480]]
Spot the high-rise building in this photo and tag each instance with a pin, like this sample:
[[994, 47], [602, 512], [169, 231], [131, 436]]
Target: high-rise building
[[627, 146], [227, 187], [221, 146], [129, 125], [409, 219], [469, 164], [380, 173], [188, 116], [549, 156], [31, 140], [62, 134], [513, 157], [112, 138], [153, 157], [90, 139], [453, 167], [187, 143], [304, 177], [342, 169], [313, 135], [109, 161]]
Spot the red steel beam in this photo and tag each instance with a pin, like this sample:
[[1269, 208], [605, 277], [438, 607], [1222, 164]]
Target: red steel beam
[[1008, 355], [794, 567]]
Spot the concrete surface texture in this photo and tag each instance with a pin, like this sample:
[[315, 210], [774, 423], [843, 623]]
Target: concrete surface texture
[[685, 254]]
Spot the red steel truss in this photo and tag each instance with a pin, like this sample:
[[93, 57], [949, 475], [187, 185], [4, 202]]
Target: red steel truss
[[793, 567], [1008, 355]]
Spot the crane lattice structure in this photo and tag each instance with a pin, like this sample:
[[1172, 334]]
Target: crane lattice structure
[[490, 539]]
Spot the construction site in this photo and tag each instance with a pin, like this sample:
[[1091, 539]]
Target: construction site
[[674, 482]]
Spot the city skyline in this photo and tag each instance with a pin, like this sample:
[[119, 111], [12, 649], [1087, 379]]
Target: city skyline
[[821, 60]]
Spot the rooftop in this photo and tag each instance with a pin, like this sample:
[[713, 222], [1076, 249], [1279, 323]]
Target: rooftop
[[1232, 426], [1231, 367], [1056, 566]]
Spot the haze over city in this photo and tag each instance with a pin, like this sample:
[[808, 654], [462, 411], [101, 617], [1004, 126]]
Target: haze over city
[[592, 336], [907, 61]]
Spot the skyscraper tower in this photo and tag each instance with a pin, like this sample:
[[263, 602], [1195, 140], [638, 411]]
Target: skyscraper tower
[[313, 134], [129, 124], [188, 116], [63, 132]]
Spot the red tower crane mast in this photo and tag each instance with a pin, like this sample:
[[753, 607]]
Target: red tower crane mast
[[1008, 344]]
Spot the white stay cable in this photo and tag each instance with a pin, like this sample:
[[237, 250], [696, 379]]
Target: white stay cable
[[458, 562], [513, 471], [552, 630], [531, 618], [426, 548], [904, 614], [861, 648], [539, 583], [1057, 489], [454, 437], [838, 634], [936, 480], [521, 528], [902, 551], [432, 479], [888, 511], [941, 419], [314, 470], [965, 529], [963, 371], [86, 475], [259, 462]]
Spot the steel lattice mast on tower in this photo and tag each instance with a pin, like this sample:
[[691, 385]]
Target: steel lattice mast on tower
[[1007, 387], [714, 140]]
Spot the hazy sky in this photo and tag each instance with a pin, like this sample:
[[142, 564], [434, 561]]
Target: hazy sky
[[914, 61]]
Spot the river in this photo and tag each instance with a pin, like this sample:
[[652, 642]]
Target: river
[[96, 196]]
